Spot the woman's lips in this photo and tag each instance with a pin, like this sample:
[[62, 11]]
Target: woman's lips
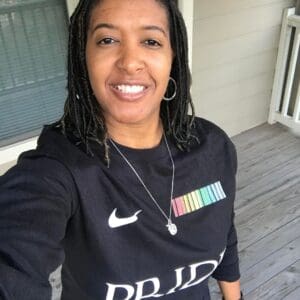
[[129, 92]]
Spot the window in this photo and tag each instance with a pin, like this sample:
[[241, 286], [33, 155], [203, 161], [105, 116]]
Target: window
[[33, 49]]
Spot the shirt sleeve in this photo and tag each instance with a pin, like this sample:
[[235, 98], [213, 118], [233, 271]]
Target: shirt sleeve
[[36, 201], [228, 270]]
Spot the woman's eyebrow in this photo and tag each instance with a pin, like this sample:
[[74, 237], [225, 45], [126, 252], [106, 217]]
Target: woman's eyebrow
[[155, 27], [104, 25], [114, 27]]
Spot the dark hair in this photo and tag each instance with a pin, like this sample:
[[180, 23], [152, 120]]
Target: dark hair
[[83, 118]]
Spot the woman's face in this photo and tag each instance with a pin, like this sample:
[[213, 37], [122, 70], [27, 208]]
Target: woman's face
[[129, 59]]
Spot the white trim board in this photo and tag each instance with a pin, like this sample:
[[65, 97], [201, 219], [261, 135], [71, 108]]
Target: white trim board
[[11, 152], [71, 5]]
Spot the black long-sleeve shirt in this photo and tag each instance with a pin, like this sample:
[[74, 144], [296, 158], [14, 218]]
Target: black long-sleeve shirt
[[59, 206]]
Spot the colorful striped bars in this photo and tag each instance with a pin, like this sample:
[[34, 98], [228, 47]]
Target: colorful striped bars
[[197, 199]]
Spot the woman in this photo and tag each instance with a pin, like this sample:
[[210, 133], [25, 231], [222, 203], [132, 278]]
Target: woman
[[130, 194]]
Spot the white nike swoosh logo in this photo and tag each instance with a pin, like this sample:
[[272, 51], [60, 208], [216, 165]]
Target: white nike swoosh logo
[[115, 222]]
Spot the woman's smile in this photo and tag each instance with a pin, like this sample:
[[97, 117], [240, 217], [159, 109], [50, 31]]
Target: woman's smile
[[129, 92]]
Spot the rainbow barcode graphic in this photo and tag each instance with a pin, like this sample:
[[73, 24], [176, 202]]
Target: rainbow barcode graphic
[[197, 199]]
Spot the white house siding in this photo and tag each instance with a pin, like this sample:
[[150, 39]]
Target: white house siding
[[235, 46], [71, 5]]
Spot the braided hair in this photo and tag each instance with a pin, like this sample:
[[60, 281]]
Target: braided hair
[[83, 118]]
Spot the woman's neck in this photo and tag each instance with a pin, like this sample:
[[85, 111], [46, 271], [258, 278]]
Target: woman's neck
[[136, 136]]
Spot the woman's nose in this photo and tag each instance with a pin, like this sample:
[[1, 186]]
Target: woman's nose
[[130, 60]]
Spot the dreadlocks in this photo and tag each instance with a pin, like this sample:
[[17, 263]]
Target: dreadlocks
[[174, 114], [83, 118]]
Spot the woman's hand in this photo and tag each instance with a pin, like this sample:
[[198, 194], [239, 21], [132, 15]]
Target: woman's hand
[[230, 290]]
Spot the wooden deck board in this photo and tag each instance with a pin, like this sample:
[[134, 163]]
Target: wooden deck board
[[271, 266], [273, 181], [266, 216], [268, 213], [265, 162], [295, 294], [280, 286], [264, 247]]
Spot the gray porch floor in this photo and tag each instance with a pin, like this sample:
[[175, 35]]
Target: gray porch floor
[[268, 213]]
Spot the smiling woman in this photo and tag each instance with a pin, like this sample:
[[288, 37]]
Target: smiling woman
[[129, 63], [171, 29], [132, 196]]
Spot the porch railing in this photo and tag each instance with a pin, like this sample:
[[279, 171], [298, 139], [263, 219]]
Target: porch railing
[[285, 103]]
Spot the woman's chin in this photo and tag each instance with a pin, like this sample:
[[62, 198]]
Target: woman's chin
[[132, 119]]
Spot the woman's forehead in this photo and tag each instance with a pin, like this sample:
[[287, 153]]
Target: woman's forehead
[[146, 12]]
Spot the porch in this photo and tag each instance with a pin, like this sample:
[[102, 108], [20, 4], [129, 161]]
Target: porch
[[268, 213]]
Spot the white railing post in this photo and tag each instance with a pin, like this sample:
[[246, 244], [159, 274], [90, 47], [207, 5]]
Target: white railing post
[[282, 58], [296, 115], [283, 109], [291, 73]]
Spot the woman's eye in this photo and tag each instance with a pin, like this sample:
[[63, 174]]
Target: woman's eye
[[152, 43], [106, 41]]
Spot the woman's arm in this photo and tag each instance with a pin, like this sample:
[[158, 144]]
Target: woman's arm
[[35, 205], [230, 290]]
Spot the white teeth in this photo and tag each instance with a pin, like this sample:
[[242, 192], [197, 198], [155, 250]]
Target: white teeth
[[130, 89]]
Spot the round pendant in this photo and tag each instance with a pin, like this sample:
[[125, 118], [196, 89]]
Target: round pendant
[[172, 228]]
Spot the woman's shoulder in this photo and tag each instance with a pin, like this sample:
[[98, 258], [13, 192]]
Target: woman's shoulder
[[54, 156], [54, 160], [47, 157], [42, 173], [55, 145], [214, 141], [205, 129]]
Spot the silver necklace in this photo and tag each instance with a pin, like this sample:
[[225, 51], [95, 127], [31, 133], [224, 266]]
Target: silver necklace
[[170, 225]]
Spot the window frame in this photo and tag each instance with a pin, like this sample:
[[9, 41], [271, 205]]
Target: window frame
[[11, 152]]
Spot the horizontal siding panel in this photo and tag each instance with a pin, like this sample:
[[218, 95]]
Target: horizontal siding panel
[[207, 9], [206, 56], [234, 57], [232, 96], [227, 111], [219, 76], [251, 112], [233, 25], [245, 123]]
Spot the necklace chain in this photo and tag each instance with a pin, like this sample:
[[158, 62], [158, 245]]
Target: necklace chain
[[170, 225]]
